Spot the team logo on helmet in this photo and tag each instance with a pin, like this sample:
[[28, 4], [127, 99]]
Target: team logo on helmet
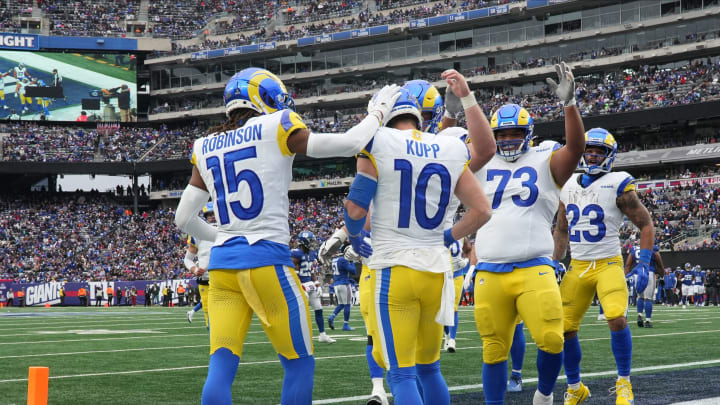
[[599, 137], [306, 239], [431, 104], [258, 90]]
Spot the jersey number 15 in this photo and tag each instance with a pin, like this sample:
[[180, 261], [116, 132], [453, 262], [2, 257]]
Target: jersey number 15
[[233, 179]]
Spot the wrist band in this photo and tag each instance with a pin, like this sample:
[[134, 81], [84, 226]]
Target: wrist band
[[468, 101]]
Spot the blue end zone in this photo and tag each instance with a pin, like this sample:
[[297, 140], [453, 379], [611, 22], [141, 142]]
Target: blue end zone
[[74, 93]]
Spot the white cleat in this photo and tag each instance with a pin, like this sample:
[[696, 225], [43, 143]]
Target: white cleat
[[540, 399], [601, 317], [324, 338], [190, 314], [378, 397], [451, 346], [684, 306]]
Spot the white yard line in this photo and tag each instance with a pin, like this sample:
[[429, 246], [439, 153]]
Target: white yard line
[[561, 377]]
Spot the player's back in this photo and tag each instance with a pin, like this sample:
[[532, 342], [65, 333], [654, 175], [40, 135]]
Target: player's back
[[341, 270], [417, 175], [524, 199], [593, 216], [247, 171]]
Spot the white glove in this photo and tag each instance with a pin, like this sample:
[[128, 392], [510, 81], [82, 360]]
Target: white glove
[[331, 245], [453, 105], [468, 278], [351, 256], [382, 103], [566, 89]]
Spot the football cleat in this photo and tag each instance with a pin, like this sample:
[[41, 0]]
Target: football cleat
[[577, 396], [190, 314], [623, 390], [540, 399], [378, 397], [514, 384], [451, 345], [324, 338], [601, 317], [331, 322], [648, 324], [347, 327], [640, 322]]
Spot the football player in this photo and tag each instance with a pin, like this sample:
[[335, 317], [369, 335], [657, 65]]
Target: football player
[[43, 102], [245, 164], [4, 80], [342, 268], [515, 274], [197, 258], [699, 286], [19, 72], [411, 275], [591, 210], [670, 281], [688, 290], [304, 260], [645, 299]]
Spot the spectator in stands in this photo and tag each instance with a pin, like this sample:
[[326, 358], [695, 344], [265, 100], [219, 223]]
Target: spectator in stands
[[10, 297], [82, 117]]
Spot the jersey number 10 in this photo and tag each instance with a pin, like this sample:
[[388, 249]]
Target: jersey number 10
[[406, 194]]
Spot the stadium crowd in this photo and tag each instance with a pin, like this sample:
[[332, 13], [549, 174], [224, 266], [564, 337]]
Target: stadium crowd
[[91, 236], [89, 18]]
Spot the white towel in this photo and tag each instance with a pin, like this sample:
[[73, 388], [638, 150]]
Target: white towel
[[446, 314]]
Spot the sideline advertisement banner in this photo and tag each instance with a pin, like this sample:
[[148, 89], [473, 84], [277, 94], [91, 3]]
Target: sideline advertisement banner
[[39, 294]]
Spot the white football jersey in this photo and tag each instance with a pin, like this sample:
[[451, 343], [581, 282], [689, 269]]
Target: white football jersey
[[524, 199], [417, 175], [243, 166], [593, 216]]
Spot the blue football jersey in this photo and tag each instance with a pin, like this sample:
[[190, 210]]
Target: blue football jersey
[[305, 269], [699, 278], [635, 254], [688, 276], [342, 270]]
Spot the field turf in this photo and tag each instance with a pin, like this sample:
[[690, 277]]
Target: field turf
[[105, 65], [152, 355]]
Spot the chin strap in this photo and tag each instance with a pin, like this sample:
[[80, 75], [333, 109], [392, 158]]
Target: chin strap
[[588, 179]]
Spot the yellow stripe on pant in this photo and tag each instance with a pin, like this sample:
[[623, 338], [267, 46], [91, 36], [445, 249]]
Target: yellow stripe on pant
[[404, 305], [366, 294], [530, 292], [275, 294], [204, 291], [458, 281], [583, 279]]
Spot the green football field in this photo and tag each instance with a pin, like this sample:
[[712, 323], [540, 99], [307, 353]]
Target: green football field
[[152, 355]]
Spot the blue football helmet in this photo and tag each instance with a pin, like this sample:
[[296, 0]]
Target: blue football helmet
[[306, 239], [258, 90], [688, 266], [599, 137], [431, 104], [406, 104], [208, 209], [512, 116]]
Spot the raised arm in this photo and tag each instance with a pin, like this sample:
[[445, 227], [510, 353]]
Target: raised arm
[[483, 141], [560, 235], [566, 159]]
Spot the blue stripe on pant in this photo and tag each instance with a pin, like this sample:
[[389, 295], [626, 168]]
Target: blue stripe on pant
[[385, 316], [294, 314]]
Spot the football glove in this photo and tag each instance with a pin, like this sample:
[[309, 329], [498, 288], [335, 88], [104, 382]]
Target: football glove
[[331, 245], [565, 90], [468, 278], [642, 270], [361, 243], [559, 270], [448, 238], [453, 105], [383, 102], [350, 255]]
